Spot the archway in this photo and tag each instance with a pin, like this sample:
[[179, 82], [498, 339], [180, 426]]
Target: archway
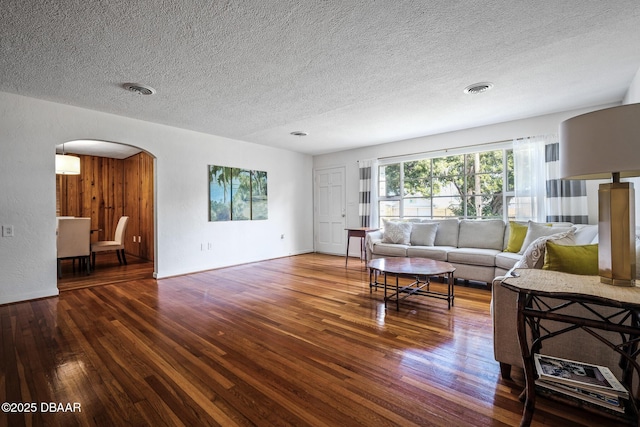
[[115, 180]]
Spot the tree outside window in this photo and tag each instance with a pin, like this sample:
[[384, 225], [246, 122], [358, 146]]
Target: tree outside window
[[473, 185]]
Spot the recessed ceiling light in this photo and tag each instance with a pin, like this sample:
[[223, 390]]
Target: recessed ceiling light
[[299, 133], [478, 88], [139, 88]]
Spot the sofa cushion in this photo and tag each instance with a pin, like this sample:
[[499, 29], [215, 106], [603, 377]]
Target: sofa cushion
[[585, 233], [447, 234], [424, 234], [390, 249], [397, 232], [484, 234], [506, 260], [477, 273], [437, 253], [561, 224], [536, 230], [574, 259], [475, 256], [533, 256]]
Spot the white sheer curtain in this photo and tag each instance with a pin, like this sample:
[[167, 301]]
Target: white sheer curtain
[[530, 177], [368, 194], [540, 194]]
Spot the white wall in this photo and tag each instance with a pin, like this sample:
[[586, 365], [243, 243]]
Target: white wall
[[506, 131], [29, 131], [633, 93]]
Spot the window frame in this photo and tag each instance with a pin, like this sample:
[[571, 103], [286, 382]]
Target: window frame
[[402, 198]]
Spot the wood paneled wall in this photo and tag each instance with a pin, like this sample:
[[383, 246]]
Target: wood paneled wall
[[105, 190], [97, 193], [138, 201]]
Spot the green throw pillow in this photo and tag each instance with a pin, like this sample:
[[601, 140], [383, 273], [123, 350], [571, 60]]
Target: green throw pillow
[[574, 259], [517, 233]]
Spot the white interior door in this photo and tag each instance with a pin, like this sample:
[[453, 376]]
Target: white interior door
[[330, 235]]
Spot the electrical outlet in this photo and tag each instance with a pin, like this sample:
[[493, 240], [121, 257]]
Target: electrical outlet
[[7, 231]]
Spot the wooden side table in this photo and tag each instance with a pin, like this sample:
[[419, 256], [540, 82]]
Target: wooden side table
[[360, 232], [534, 285]]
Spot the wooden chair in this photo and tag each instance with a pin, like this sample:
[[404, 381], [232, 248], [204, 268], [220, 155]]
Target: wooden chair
[[74, 241], [117, 244]]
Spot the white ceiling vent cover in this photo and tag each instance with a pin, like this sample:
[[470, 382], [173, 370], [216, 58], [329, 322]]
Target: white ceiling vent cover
[[139, 88], [478, 88]]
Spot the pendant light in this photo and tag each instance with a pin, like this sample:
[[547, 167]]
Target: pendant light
[[67, 165]]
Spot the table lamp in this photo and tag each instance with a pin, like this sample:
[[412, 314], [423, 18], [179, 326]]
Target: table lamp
[[605, 144]]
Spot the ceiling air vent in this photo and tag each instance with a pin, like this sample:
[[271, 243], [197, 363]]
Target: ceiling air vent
[[478, 88], [139, 89]]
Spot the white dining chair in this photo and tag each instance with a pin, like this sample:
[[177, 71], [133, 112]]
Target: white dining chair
[[74, 241], [117, 244]]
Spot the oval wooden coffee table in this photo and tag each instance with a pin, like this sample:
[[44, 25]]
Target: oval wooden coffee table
[[418, 268]]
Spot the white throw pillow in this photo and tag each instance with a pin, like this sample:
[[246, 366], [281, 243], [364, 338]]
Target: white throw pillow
[[397, 232], [536, 230], [533, 256], [423, 234]]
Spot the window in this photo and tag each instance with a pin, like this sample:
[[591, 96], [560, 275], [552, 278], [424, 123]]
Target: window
[[466, 185]]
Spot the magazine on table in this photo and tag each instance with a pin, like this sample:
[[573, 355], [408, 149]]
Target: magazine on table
[[578, 374], [613, 403]]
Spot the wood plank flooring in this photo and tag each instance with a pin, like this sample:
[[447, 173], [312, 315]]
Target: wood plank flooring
[[297, 341], [107, 271]]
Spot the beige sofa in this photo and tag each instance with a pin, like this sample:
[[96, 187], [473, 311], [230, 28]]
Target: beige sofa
[[471, 246], [476, 248]]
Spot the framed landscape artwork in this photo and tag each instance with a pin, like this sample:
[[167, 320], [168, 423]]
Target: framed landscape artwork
[[259, 203], [237, 194]]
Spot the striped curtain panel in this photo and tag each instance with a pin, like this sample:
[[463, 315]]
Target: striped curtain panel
[[566, 199], [367, 171]]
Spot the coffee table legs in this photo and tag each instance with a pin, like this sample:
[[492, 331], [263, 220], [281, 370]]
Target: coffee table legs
[[418, 287], [386, 298], [450, 289]]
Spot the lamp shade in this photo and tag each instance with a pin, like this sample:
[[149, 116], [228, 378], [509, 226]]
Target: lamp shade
[[597, 144], [67, 165]]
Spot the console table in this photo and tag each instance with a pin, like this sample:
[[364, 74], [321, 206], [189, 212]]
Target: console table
[[534, 287]]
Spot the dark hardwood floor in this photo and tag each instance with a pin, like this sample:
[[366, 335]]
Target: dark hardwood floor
[[107, 271], [293, 341]]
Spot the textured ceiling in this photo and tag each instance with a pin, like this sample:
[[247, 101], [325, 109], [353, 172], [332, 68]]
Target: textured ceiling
[[349, 72]]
